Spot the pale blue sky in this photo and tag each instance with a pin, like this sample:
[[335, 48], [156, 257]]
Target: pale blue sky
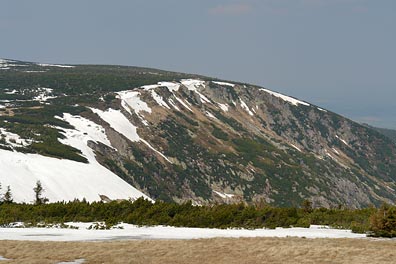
[[338, 54]]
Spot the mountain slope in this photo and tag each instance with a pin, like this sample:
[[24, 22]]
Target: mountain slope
[[184, 137], [390, 133]]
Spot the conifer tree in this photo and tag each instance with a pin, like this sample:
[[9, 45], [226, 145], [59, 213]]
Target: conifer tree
[[38, 190], [7, 197]]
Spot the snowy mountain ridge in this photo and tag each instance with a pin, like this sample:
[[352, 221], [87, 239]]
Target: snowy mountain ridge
[[126, 132]]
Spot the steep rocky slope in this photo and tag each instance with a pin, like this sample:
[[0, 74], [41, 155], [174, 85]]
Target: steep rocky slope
[[185, 137]]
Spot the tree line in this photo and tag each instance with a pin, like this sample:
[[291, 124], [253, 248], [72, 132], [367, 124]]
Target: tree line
[[373, 221], [7, 198]]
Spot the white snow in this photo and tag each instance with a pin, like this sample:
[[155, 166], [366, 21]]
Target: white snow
[[130, 100], [244, 106], [159, 99], [76, 261], [193, 85], [149, 87], [54, 65], [12, 92], [123, 126], [152, 148], [224, 195], [321, 109], [183, 103], [44, 94], [343, 141], [173, 104], [7, 64], [131, 232], [118, 122], [3, 258], [335, 159], [224, 83], [336, 151], [172, 86], [223, 107], [294, 146], [63, 180], [285, 97], [209, 114], [85, 130], [13, 139]]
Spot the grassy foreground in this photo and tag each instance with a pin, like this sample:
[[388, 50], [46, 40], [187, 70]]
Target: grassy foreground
[[218, 250]]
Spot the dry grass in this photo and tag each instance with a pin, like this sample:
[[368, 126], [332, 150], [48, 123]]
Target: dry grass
[[219, 250]]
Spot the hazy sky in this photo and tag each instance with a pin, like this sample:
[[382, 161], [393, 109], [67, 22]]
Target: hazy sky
[[338, 54]]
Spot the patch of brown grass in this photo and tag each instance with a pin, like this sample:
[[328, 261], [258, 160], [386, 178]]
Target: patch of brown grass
[[218, 250]]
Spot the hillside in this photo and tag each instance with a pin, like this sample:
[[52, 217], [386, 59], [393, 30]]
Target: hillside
[[390, 133], [179, 137]]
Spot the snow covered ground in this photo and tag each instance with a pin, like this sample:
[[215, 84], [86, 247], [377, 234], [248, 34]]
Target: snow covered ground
[[63, 180], [131, 232]]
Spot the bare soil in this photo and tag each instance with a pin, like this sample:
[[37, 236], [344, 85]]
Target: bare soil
[[218, 250]]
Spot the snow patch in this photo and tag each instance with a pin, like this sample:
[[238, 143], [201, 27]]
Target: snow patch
[[321, 109], [343, 141], [33, 71], [7, 64], [173, 104], [285, 98], [13, 140], [209, 114], [224, 83], [224, 195], [132, 101], [335, 151], [149, 87], [63, 180], [223, 107], [335, 159], [55, 65], [193, 85], [122, 125], [76, 261], [183, 103], [294, 146], [11, 92], [159, 99], [119, 123], [85, 130], [172, 86], [244, 106], [129, 232], [44, 94]]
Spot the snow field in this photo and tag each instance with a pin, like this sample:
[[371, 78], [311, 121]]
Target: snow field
[[131, 232], [65, 180], [286, 98]]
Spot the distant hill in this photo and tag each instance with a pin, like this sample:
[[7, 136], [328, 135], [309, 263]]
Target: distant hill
[[390, 133]]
